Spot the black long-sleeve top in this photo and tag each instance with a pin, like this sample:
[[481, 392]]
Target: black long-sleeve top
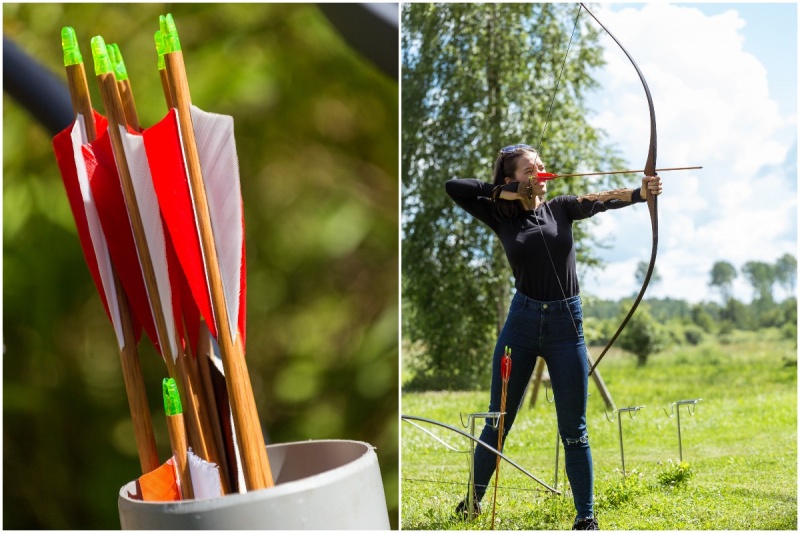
[[522, 235]]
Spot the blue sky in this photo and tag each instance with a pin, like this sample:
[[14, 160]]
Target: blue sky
[[724, 81]]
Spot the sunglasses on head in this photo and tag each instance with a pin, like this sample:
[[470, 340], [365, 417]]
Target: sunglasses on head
[[514, 148]]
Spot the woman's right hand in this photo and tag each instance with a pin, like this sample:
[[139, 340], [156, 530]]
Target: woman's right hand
[[518, 190]]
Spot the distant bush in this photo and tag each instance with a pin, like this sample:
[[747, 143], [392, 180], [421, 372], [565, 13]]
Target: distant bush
[[703, 319], [643, 336], [789, 331], [693, 335]]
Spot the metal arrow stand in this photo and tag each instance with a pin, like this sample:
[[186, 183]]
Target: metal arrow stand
[[675, 408], [631, 412]]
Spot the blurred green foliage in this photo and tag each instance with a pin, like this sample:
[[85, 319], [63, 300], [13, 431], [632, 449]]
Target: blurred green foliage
[[317, 137]]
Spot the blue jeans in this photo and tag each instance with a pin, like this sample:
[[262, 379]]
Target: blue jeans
[[553, 330]]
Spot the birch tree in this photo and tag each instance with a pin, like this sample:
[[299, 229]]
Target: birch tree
[[475, 78]]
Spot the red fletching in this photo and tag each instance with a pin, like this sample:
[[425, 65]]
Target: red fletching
[[191, 315], [113, 212], [505, 367], [162, 143], [545, 176], [62, 145]]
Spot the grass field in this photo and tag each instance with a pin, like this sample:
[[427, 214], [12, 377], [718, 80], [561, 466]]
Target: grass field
[[740, 446]]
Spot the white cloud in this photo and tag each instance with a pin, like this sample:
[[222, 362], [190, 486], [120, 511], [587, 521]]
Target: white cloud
[[713, 108]]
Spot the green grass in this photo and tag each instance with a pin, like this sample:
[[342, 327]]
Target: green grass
[[740, 447]]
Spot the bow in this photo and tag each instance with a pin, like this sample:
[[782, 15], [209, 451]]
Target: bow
[[652, 200], [411, 418]]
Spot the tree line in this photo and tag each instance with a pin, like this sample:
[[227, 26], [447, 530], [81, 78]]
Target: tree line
[[659, 323]]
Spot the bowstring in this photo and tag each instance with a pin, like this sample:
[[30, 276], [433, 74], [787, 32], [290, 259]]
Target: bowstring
[[538, 154]]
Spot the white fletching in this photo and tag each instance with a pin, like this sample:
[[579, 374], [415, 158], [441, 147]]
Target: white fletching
[[79, 138], [153, 229], [220, 166], [205, 477]]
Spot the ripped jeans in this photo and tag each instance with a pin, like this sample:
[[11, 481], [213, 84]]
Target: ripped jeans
[[553, 330]]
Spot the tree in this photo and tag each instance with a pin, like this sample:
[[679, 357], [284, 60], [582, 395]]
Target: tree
[[722, 276], [762, 277], [641, 272], [702, 318], [739, 315], [642, 336], [477, 77], [786, 272]]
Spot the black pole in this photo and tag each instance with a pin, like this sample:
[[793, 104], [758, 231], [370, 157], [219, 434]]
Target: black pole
[[372, 29], [36, 88]]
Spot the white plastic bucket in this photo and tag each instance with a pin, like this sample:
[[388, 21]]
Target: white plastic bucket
[[319, 485]]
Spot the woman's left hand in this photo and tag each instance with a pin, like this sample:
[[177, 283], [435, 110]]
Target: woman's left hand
[[651, 185]]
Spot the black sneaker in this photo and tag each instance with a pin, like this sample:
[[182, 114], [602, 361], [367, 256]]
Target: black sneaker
[[461, 510], [585, 523]]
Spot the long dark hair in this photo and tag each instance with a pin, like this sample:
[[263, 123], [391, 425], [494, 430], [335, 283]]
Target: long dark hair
[[506, 166]]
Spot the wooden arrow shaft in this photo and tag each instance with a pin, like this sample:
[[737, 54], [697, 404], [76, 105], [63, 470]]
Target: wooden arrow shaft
[[128, 104], [500, 431], [256, 469], [129, 357], [116, 117], [624, 172], [111, 100]]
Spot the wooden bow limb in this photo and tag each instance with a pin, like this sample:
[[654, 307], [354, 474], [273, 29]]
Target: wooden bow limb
[[129, 357], [652, 200]]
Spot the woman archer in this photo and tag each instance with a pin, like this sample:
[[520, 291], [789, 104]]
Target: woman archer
[[545, 317]]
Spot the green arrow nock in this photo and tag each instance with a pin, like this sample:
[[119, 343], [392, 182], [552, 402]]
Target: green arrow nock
[[172, 42], [160, 49], [69, 43], [172, 400], [117, 63], [102, 63]]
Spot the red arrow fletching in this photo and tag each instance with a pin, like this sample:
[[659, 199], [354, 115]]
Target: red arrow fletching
[[65, 155], [162, 143], [62, 145], [505, 367], [545, 176], [107, 190]]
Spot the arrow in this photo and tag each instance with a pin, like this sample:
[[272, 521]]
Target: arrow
[[546, 176], [177, 435], [67, 145], [222, 248], [505, 374], [124, 86], [138, 221]]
